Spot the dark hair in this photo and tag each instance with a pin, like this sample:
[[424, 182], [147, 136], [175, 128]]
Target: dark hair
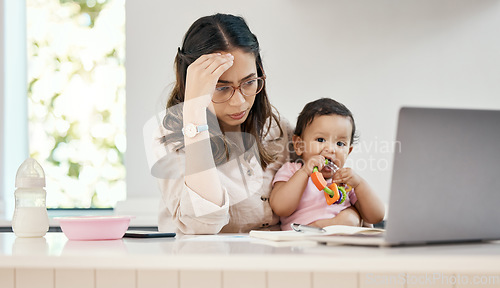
[[217, 33], [323, 106]]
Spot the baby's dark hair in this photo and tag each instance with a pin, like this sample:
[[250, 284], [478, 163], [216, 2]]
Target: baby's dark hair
[[323, 106]]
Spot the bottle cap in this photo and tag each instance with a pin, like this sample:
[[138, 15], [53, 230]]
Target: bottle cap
[[30, 174]]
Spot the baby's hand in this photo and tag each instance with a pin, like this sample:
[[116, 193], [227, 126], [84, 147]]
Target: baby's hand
[[314, 161], [347, 176]]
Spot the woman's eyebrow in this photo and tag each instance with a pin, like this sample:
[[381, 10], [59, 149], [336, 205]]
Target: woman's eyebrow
[[248, 77], [243, 79]]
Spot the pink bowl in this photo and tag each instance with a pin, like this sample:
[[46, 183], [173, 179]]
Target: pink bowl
[[94, 227]]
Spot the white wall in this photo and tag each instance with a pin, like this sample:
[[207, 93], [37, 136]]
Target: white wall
[[374, 56]]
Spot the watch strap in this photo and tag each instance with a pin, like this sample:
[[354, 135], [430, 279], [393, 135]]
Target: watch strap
[[202, 128]]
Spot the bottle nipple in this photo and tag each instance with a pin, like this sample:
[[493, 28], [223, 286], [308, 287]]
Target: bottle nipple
[[30, 174]]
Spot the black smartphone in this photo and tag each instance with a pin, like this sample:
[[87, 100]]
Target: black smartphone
[[147, 234]]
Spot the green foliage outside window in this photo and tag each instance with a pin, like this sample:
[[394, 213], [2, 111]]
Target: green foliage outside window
[[76, 90]]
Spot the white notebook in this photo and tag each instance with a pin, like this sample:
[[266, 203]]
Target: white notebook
[[334, 230]]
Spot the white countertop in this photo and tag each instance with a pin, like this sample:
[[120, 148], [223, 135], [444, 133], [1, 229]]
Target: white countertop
[[239, 251]]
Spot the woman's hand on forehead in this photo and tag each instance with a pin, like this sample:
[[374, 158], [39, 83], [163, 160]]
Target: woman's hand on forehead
[[203, 74]]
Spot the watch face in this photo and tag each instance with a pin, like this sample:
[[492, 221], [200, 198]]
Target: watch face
[[190, 130]]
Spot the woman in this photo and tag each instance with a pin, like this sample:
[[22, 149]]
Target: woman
[[224, 142]]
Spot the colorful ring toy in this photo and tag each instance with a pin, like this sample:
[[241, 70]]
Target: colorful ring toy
[[333, 194]]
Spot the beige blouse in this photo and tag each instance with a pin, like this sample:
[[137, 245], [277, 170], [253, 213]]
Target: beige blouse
[[246, 188]]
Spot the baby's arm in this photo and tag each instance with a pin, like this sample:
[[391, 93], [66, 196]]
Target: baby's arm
[[286, 195], [368, 205]]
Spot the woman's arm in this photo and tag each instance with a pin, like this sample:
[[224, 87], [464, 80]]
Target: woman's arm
[[193, 198], [201, 79], [180, 206], [201, 173]]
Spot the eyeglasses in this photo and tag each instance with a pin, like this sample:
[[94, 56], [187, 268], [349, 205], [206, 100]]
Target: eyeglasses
[[248, 88]]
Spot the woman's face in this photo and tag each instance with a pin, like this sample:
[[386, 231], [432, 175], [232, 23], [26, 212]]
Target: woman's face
[[234, 112]]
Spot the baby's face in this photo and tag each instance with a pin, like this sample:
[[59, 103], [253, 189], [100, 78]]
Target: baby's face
[[329, 136]]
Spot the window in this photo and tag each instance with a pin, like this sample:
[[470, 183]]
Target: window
[[76, 99]]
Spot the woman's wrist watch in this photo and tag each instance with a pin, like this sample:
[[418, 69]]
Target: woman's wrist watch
[[191, 130]]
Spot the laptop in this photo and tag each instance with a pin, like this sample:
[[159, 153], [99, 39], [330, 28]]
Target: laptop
[[445, 184]]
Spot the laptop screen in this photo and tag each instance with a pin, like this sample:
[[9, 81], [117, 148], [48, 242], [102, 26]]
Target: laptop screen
[[446, 176]]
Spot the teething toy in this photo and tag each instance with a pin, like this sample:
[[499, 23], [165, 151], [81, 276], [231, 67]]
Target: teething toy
[[333, 194]]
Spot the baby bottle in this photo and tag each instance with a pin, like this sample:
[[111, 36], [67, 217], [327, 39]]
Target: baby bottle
[[30, 215]]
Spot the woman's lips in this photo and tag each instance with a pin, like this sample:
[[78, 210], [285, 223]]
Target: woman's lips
[[238, 116]]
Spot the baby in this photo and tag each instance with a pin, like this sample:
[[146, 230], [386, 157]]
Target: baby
[[325, 131]]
